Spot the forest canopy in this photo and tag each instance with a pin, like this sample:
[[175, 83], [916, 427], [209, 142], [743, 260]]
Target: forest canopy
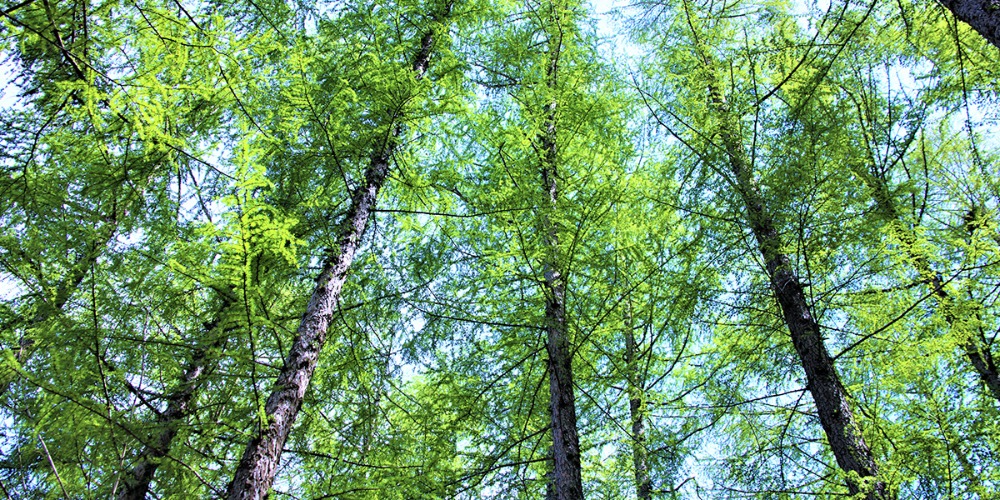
[[371, 249]]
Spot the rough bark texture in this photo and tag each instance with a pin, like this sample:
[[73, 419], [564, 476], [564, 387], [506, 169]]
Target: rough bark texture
[[982, 15], [982, 360], [974, 345], [823, 382], [566, 474], [178, 410], [832, 401], [255, 473], [256, 470], [565, 441]]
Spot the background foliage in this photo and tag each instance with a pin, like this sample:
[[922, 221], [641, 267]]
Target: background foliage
[[172, 174]]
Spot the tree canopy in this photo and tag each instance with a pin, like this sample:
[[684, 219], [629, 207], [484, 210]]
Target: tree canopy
[[499, 249]]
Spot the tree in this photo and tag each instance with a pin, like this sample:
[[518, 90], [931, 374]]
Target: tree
[[832, 399], [566, 475], [178, 410], [257, 468], [421, 249], [981, 15]]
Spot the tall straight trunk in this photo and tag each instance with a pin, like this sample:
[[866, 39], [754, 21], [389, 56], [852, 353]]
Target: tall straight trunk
[[843, 431], [637, 411], [832, 401], [566, 473], [982, 15], [178, 409], [256, 470], [974, 345]]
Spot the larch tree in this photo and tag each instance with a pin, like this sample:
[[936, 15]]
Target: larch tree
[[566, 472], [981, 15], [833, 403], [257, 468], [823, 380], [406, 249]]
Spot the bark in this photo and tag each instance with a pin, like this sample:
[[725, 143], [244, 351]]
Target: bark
[[177, 412], [842, 430], [974, 345], [178, 409], [256, 470], [562, 406], [255, 473], [982, 15], [832, 401], [982, 360], [637, 414], [566, 474]]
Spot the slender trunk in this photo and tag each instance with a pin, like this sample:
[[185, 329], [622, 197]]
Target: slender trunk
[[637, 412], [74, 276], [979, 354], [974, 345], [49, 309], [832, 401], [562, 406], [566, 473], [982, 15], [843, 432], [256, 470], [178, 410]]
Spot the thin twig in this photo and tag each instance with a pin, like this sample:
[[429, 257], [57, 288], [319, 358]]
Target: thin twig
[[53, 464]]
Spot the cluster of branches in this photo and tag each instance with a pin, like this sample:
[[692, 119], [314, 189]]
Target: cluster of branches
[[458, 248]]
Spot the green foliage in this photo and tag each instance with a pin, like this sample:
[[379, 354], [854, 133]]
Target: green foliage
[[173, 174]]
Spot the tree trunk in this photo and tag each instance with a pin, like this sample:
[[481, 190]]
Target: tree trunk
[[565, 441], [974, 346], [256, 470], [637, 412], [982, 360], [566, 473], [982, 15], [832, 401], [178, 410]]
